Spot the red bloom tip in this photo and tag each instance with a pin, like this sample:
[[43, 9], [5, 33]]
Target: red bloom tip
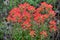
[[32, 33], [44, 33], [52, 22]]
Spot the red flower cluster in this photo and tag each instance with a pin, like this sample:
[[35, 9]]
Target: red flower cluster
[[14, 15], [24, 13], [21, 14], [52, 25], [44, 33], [43, 12], [32, 33]]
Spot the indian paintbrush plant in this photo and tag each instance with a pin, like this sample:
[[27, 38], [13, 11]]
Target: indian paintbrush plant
[[34, 23]]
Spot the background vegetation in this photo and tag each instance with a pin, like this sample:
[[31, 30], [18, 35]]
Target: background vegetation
[[6, 32]]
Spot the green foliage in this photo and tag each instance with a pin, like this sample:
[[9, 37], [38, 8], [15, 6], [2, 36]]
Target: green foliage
[[1, 31], [13, 3], [1, 34], [32, 2], [1, 5], [19, 34]]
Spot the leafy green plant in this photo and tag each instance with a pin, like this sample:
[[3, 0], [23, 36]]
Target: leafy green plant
[[1, 31], [18, 33], [32, 2], [32, 23]]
